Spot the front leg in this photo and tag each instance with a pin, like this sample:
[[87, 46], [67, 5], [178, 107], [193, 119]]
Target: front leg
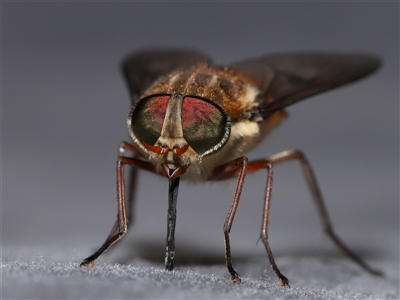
[[238, 165], [121, 225], [239, 168], [233, 169]]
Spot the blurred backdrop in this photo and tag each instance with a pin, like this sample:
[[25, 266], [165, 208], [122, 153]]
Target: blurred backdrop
[[64, 107]]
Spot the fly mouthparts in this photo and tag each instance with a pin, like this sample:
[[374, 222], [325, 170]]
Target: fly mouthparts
[[171, 172]]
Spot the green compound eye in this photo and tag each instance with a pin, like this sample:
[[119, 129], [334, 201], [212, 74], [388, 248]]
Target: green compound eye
[[147, 118], [206, 127]]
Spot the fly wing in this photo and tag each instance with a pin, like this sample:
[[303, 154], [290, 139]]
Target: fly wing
[[286, 79], [143, 68]]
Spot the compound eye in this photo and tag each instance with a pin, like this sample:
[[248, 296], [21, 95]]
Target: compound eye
[[147, 118], [206, 126]]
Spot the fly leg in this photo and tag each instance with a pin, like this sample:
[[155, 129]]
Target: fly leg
[[238, 165], [121, 225], [319, 202], [239, 168]]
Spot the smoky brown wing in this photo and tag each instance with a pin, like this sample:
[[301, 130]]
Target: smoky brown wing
[[286, 79], [141, 69]]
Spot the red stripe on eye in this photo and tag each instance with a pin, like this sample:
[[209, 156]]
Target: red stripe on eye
[[147, 119], [155, 108], [196, 111], [203, 124]]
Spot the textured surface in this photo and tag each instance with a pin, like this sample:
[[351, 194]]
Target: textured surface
[[313, 277]]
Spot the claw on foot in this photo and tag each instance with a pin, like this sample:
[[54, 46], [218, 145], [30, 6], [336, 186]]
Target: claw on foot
[[284, 281], [87, 264], [235, 279]]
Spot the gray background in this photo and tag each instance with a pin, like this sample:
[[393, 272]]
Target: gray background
[[64, 106]]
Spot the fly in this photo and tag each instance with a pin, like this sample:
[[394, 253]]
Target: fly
[[194, 120]]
